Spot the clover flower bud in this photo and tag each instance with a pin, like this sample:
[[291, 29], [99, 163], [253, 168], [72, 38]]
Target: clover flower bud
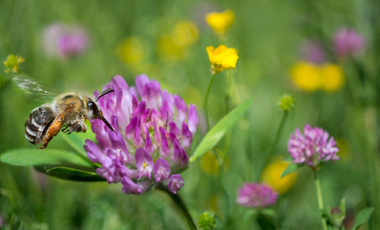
[[175, 183]]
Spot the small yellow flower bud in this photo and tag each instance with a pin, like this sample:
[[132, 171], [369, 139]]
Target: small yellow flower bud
[[222, 58], [220, 23], [13, 62]]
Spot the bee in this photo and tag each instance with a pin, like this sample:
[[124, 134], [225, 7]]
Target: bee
[[67, 113]]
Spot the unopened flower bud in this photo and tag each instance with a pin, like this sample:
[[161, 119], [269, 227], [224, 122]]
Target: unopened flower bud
[[287, 102]]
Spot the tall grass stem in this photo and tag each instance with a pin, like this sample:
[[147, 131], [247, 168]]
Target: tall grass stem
[[206, 101], [276, 139]]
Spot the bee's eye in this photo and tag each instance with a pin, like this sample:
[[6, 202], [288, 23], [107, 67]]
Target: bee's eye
[[92, 106]]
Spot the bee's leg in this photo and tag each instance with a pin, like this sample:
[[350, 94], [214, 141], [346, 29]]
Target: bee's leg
[[64, 129], [78, 126], [53, 130]]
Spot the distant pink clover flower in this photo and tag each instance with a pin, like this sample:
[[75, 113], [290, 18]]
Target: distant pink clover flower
[[64, 41], [256, 195], [313, 147], [348, 42], [312, 51]]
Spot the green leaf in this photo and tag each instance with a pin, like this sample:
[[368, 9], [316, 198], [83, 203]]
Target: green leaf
[[68, 173], [36, 157], [290, 169], [362, 217], [220, 129]]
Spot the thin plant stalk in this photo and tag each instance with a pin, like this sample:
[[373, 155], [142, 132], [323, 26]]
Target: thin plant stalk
[[221, 161], [276, 139], [206, 100], [223, 39], [230, 88], [182, 206], [373, 165], [232, 91], [320, 200]]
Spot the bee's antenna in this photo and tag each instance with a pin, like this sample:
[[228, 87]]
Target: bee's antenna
[[106, 122], [107, 91], [101, 117]]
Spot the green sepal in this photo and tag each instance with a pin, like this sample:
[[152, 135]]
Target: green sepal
[[291, 168], [288, 159]]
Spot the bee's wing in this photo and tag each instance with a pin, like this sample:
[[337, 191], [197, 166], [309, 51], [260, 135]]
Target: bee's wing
[[32, 89]]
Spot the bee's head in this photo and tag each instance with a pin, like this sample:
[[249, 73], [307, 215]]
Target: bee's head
[[93, 108]]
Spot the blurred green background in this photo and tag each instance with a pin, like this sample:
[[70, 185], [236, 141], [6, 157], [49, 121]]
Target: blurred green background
[[136, 36]]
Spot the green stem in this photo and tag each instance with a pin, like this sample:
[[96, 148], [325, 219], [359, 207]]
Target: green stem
[[373, 166], [229, 89], [276, 139], [223, 39], [320, 200], [206, 100], [221, 161], [182, 206]]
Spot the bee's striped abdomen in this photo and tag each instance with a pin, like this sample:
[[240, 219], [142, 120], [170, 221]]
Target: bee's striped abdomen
[[38, 123]]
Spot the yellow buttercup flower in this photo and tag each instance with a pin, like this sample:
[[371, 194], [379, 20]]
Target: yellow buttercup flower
[[272, 176], [332, 77], [132, 50], [185, 33], [220, 23], [306, 76], [222, 58], [175, 45], [168, 49], [13, 62], [310, 77]]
